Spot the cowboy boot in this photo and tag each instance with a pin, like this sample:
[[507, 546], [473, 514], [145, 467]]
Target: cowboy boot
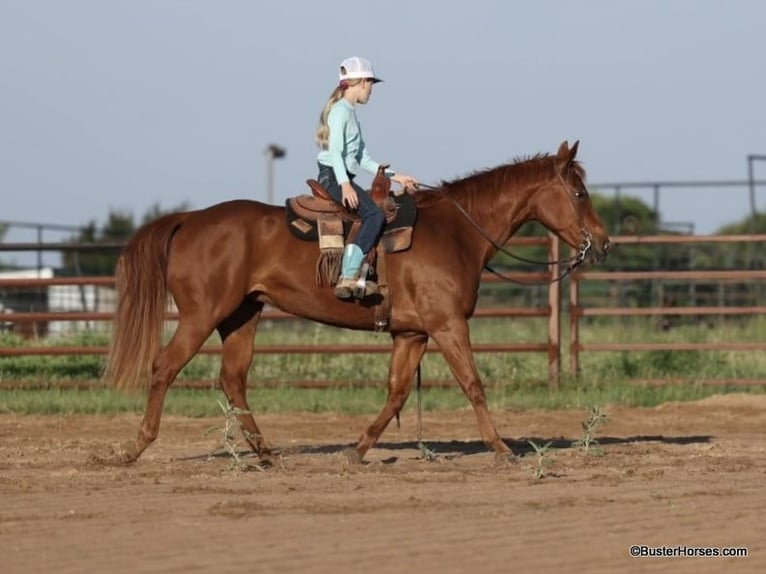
[[352, 261], [352, 283]]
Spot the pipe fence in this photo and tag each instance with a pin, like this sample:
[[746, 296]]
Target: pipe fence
[[38, 319], [755, 279], [93, 302]]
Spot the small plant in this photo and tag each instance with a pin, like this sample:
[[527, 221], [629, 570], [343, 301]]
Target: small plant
[[594, 420], [428, 454], [231, 424], [543, 459]]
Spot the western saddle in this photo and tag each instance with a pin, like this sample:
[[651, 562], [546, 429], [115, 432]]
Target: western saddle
[[320, 217]]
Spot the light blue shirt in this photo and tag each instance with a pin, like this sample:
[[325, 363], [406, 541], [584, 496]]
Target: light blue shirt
[[346, 150]]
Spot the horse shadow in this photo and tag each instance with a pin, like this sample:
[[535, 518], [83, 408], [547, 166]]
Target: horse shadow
[[520, 446], [456, 448]]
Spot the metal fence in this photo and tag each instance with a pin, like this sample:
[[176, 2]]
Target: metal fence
[[755, 279], [43, 304]]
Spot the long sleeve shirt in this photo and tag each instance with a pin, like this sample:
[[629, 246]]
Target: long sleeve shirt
[[346, 151]]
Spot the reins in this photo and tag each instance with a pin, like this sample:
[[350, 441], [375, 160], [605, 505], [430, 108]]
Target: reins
[[574, 261]]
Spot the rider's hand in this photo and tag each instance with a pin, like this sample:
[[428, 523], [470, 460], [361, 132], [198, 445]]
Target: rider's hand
[[350, 200], [408, 182]]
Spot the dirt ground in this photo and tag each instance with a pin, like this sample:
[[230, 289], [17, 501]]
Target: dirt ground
[[686, 475]]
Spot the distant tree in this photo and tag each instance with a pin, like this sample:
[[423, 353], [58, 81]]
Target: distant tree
[[626, 216], [155, 211], [120, 226], [740, 255], [751, 224]]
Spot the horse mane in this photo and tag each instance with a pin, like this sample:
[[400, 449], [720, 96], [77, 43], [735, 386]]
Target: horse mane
[[481, 190]]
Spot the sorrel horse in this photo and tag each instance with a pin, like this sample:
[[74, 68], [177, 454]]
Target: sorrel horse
[[224, 263]]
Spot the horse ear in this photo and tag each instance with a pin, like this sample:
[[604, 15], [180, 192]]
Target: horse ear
[[566, 155], [573, 150]]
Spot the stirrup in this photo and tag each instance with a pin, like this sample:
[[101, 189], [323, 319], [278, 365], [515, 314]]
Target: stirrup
[[345, 288], [363, 288], [348, 288]]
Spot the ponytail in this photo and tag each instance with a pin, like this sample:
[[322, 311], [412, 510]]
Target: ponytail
[[322, 135]]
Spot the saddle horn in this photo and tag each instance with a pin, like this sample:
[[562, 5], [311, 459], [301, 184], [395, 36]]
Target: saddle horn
[[381, 185]]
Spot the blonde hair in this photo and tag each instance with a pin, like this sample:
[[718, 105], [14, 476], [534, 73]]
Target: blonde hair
[[322, 134]]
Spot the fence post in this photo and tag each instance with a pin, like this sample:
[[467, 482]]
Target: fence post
[[554, 318], [574, 325]]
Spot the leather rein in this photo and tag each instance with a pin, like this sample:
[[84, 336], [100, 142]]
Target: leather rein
[[573, 262]]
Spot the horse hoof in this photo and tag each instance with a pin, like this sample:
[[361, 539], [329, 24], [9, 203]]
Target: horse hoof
[[124, 455], [506, 459], [270, 458], [273, 451], [353, 457]]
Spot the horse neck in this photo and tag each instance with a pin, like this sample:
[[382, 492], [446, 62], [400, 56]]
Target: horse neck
[[499, 213]]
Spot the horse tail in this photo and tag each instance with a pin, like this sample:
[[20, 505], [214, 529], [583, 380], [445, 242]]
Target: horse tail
[[141, 283]]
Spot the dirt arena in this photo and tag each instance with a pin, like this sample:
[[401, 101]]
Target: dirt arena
[[679, 475]]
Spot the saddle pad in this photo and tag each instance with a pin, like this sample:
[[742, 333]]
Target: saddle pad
[[406, 212]]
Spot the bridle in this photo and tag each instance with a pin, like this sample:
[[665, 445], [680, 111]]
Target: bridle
[[572, 262]]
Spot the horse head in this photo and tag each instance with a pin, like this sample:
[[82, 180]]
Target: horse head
[[564, 206]]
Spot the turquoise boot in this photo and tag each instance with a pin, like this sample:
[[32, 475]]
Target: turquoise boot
[[349, 281]]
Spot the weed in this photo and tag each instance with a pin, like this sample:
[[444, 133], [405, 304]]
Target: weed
[[231, 424], [543, 459], [428, 454], [594, 420]]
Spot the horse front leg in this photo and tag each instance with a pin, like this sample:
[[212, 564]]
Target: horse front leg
[[455, 345], [407, 351]]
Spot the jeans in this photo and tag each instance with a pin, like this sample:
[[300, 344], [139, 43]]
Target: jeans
[[372, 217]]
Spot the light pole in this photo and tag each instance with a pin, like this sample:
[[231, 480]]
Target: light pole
[[273, 151], [751, 180], [751, 159]]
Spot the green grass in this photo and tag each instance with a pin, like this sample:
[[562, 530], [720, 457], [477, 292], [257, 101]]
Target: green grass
[[501, 368], [350, 400], [513, 380]]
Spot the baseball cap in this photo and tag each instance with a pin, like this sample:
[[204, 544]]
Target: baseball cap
[[356, 67]]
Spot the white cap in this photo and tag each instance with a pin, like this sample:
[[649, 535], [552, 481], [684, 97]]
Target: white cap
[[356, 67]]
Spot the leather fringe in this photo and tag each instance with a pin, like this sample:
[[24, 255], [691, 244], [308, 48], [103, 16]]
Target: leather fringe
[[328, 266]]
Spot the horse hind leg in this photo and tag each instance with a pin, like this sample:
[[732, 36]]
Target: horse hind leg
[[237, 333], [186, 341], [406, 354]]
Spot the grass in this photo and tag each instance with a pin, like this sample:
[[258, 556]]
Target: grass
[[513, 380], [203, 403], [684, 364], [495, 368]]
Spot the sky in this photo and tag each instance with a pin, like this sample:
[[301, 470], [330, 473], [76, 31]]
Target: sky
[[119, 105]]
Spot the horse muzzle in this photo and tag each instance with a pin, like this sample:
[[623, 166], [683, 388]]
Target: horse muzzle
[[591, 251]]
